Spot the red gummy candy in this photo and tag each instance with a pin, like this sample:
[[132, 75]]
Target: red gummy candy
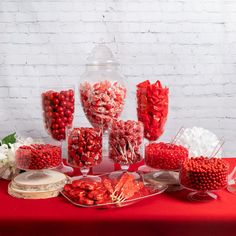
[[152, 110]]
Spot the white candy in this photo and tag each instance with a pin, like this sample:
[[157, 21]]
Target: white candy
[[200, 142]]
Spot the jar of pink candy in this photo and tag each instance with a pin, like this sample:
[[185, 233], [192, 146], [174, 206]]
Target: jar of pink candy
[[126, 142], [102, 92]]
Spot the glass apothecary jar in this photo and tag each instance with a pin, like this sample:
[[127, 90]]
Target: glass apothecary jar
[[101, 88]]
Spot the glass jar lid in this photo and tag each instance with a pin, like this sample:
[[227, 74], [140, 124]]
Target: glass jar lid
[[101, 55]]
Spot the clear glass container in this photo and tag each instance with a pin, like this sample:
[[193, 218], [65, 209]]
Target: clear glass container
[[58, 114], [126, 142], [84, 149], [58, 110], [102, 91], [152, 111], [203, 176]]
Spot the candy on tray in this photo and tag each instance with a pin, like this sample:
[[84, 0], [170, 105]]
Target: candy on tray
[[165, 156], [199, 141], [84, 147], [38, 156], [152, 110], [102, 101], [107, 191], [125, 141], [58, 108], [202, 173]]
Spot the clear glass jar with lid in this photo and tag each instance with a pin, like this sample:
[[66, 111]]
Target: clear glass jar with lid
[[102, 91]]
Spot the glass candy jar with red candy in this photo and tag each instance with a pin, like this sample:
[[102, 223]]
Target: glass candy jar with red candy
[[165, 156], [38, 158], [58, 110], [84, 149], [102, 91], [152, 110], [58, 114], [126, 142], [203, 176]]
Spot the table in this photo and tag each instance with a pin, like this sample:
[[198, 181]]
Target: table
[[165, 214]]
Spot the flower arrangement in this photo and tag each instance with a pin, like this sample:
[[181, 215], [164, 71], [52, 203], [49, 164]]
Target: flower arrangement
[[8, 147]]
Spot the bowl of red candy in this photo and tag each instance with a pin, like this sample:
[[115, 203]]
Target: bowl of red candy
[[38, 157], [58, 111], [204, 175], [165, 156], [84, 147], [126, 141]]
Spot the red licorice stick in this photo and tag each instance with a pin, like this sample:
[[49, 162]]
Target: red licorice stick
[[85, 147], [125, 141], [58, 110], [102, 102], [152, 110], [38, 156], [204, 173], [165, 156]]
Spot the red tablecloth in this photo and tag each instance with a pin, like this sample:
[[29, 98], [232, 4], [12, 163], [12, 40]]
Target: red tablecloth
[[165, 214]]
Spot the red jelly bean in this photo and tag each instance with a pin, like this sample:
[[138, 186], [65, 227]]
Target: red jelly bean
[[102, 102], [152, 110], [57, 113], [38, 156], [85, 147], [165, 156], [204, 173], [125, 141]]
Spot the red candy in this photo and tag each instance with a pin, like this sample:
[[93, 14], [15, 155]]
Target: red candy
[[204, 174], [102, 102], [165, 156], [58, 110], [85, 147], [125, 141], [38, 156], [93, 193], [152, 101]]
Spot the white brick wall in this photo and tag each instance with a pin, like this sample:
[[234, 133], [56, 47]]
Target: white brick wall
[[189, 45]]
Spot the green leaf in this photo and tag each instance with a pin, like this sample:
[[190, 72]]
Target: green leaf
[[11, 138]]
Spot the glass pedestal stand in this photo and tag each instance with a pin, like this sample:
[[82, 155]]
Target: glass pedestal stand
[[84, 171], [202, 196], [170, 178]]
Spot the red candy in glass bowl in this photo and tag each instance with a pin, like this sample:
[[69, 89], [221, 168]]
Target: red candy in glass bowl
[[38, 157], [102, 101], [126, 142], [84, 147], [58, 111], [165, 156], [152, 110], [203, 175]]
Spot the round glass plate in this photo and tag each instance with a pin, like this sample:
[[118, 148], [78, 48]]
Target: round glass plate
[[149, 190]]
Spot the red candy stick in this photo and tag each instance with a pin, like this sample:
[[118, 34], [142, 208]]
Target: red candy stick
[[152, 110], [84, 147], [38, 156], [58, 108], [165, 156], [125, 141], [102, 102], [204, 173]]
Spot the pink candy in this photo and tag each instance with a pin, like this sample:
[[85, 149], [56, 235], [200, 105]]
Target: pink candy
[[125, 141], [102, 102]]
